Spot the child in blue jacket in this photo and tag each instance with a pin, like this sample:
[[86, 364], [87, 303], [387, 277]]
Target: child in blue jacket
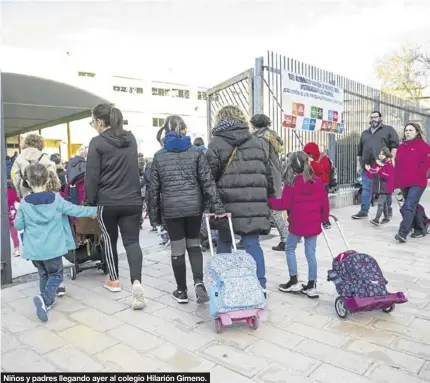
[[47, 235]]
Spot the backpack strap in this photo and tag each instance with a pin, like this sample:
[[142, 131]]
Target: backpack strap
[[230, 159]]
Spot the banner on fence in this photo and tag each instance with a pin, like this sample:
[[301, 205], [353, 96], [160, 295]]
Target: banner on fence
[[311, 105]]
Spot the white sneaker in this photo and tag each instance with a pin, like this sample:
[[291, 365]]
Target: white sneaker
[[16, 252], [138, 296]]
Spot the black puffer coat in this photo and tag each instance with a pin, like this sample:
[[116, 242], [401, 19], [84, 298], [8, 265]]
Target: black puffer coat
[[247, 183], [181, 182]]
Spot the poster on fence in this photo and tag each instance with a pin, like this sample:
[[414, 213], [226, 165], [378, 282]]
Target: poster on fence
[[311, 105]]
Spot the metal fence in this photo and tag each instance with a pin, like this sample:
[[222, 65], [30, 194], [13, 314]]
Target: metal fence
[[262, 93], [236, 91]]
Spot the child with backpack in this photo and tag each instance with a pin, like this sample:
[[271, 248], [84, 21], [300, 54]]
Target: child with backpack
[[306, 202], [382, 173], [12, 198], [47, 234]]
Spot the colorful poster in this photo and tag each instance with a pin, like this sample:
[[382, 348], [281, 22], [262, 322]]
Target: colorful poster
[[311, 105]]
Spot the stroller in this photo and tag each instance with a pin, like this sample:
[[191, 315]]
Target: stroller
[[359, 282], [89, 252]]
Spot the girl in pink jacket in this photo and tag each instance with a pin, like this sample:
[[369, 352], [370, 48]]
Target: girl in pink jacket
[[305, 199], [12, 198]]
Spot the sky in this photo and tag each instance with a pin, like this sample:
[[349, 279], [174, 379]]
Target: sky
[[210, 41]]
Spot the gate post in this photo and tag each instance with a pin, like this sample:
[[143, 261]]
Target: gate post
[[6, 267], [258, 106]]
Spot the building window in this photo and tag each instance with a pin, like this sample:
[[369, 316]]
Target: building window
[[180, 93], [158, 122], [128, 89], [201, 95], [86, 74]]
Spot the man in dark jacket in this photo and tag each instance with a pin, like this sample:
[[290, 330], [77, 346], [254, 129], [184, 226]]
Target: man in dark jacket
[[77, 164], [181, 189], [240, 167], [273, 146], [372, 140]]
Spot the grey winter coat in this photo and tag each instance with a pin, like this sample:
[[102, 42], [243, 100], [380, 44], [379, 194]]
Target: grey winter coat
[[273, 145]]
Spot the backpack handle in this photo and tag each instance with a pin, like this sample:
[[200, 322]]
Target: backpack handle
[[336, 220]]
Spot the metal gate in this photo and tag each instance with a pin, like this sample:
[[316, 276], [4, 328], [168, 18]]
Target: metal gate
[[236, 91], [259, 90]]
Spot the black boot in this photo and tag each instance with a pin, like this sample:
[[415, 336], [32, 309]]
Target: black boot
[[292, 286], [279, 247], [310, 289]]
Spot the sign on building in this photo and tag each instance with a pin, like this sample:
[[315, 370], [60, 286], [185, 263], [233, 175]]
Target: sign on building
[[311, 105]]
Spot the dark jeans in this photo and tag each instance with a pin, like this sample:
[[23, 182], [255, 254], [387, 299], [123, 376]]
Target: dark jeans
[[184, 236], [128, 220], [50, 277], [412, 196], [367, 191]]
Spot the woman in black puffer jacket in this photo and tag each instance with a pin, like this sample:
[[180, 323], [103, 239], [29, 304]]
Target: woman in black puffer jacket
[[240, 167], [182, 188]]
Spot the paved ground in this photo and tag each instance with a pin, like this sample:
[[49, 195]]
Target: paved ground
[[303, 340]]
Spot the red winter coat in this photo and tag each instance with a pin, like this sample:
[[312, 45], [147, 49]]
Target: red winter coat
[[307, 206], [320, 164], [412, 163], [383, 177]]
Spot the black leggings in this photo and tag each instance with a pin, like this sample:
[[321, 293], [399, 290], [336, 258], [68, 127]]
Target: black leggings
[[184, 235], [128, 220]]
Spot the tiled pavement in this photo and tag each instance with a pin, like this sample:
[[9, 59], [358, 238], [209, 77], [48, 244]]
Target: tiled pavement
[[303, 340]]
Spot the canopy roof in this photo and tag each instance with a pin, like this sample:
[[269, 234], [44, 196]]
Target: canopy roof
[[32, 103]]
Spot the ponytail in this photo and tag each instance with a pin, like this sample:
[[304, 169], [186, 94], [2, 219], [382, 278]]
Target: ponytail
[[116, 119], [111, 117], [298, 164]]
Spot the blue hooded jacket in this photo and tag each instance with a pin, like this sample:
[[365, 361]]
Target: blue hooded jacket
[[44, 218]]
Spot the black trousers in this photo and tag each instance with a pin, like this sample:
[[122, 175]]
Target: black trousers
[[184, 236], [127, 218]]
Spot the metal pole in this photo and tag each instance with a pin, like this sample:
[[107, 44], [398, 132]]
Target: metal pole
[[69, 142], [6, 267], [258, 85]]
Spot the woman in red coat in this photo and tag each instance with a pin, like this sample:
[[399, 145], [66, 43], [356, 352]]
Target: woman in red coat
[[321, 166], [411, 169]]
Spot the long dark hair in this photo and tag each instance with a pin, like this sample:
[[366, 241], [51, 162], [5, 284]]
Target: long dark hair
[[298, 163], [110, 116], [172, 124]]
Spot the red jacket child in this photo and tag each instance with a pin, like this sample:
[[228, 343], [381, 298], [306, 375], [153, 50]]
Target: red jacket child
[[320, 164], [12, 197], [307, 206], [383, 176]]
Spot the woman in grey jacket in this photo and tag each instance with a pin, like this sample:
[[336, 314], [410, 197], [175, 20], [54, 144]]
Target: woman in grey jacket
[[273, 145]]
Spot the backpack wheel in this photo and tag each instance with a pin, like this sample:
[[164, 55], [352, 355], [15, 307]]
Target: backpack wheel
[[340, 307], [73, 273], [255, 322], [218, 325], [389, 309]]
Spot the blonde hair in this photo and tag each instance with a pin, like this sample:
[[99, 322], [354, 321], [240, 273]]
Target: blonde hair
[[53, 184], [232, 112], [34, 141]]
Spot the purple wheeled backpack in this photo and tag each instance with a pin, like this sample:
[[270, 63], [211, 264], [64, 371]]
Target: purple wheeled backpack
[[359, 282]]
